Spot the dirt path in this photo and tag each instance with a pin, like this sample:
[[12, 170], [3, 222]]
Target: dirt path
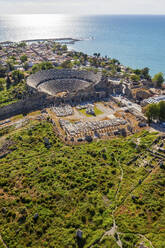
[[113, 231], [142, 236], [3, 242]]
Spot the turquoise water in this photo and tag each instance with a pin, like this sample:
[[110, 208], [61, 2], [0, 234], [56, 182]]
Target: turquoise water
[[137, 41]]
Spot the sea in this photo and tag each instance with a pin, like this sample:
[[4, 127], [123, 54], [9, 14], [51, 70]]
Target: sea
[[137, 41]]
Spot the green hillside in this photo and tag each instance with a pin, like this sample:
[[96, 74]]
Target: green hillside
[[49, 190]]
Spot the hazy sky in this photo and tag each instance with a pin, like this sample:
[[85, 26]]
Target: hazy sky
[[82, 6]]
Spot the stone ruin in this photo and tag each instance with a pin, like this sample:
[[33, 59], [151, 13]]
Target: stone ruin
[[53, 81], [62, 111], [82, 128], [75, 86], [90, 110]]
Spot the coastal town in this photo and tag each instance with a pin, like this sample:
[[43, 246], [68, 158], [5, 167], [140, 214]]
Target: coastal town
[[87, 97], [35, 52]]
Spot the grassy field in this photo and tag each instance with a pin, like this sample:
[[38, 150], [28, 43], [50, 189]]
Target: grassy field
[[49, 190], [96, 110]]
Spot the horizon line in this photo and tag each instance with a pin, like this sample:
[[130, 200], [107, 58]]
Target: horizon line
[[106, 14]]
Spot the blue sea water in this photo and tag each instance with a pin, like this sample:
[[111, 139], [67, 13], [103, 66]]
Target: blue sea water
[[137, 41]]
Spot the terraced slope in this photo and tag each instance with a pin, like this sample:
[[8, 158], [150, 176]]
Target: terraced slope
[[112, 190]]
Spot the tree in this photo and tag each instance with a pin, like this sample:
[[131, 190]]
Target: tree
[[2, 71], [22, 44], [161, 110], [26, 66], [57, 47], [10, 65], [17, 76], [118, 69], [2, 83], [155, 111], [137, 72], [97, 55], [42, 66], [66, 64], [135, 77], [64, 48], [12, 58], [23, 58], [115, 61], [8, 82], [158, 79], [152, 112], [145, 73], [77, 62]]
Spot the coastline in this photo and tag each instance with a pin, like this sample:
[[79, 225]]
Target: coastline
[[126, 38]]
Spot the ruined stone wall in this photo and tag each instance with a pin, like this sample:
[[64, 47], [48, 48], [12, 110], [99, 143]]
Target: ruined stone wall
[[40, 100], [36, 102], [109, 87]]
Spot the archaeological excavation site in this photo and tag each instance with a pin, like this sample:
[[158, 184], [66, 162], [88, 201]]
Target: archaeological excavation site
[[84, 105]]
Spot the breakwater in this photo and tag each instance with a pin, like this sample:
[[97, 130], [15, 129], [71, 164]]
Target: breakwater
[[60, 40]]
